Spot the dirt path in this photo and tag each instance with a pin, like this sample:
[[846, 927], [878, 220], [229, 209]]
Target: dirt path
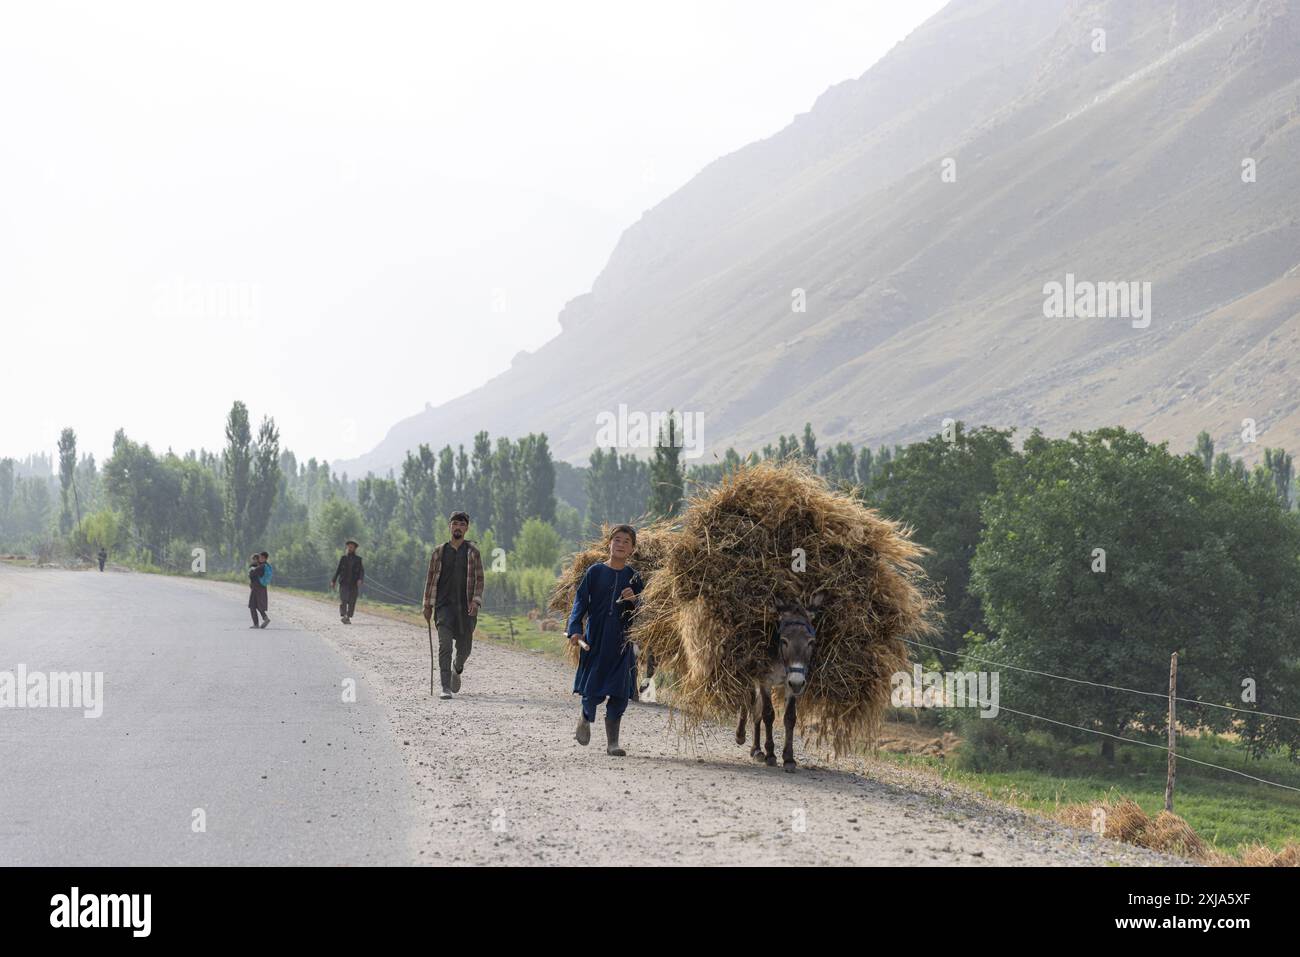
[[499, 779]]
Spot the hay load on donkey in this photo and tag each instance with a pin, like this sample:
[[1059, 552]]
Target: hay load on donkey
[[769, 560]]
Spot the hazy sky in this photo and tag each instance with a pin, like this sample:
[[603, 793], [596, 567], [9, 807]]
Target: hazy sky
[[340, 212]]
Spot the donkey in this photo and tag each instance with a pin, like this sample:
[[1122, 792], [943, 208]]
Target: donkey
[[791, 659]]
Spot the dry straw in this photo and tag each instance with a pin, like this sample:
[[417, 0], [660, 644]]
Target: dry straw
[[1124, 820], [767, 534]]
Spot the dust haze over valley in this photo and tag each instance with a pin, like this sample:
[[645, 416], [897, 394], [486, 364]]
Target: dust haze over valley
[[291, 200]]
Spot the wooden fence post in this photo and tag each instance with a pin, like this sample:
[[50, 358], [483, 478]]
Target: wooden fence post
[[1173, 691]]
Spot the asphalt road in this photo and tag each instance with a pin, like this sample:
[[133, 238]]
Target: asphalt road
[[204, 721], [251, 728]]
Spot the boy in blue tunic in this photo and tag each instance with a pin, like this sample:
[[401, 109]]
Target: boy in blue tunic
[[606, 596]]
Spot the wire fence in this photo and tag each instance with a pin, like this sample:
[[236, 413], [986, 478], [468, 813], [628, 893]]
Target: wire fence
[[1100, 684], [1164, 696]]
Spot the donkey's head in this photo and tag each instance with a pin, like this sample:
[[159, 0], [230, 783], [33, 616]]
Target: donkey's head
[[796, 637]]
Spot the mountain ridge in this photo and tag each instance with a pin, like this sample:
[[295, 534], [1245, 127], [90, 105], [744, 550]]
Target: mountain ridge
[[924, 297]]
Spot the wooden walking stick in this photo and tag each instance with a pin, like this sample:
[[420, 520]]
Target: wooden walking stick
[[429, 622]]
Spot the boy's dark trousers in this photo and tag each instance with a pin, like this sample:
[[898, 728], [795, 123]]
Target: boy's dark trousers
[[463, 636], [347, 600], [614, 708]]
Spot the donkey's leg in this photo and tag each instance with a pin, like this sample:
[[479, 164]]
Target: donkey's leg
[[741, 727], [769, 716], [787, 752], [756, 752]]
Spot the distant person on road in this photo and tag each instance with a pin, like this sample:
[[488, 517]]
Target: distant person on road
[[103, 557], [606, 598], [268, 572], [453, 595], [349, 577], [257, 591]]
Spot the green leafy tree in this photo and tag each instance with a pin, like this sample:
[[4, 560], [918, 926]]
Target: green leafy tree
[[265, 480], [67, 473], [1176, 577], [1205, 450], [478, 497], [938, 487], [1275, 473], [1247, 607], [378, 499], [667, 477], [618, 488], [487, 546], [865, 470], [536, 478], [505, 493], [237, 462], [6, 498], [102, 529], [568, 522], [839, 465], [419, 488], [809, 446], [538, 545], [448, 498], [339, 520]]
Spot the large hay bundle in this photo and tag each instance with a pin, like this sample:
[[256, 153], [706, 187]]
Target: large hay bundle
[[709, 611]]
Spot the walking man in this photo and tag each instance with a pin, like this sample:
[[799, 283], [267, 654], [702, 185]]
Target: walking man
[[256, 591], [453, 594], [607, 597], [348, 577], [102, 556]]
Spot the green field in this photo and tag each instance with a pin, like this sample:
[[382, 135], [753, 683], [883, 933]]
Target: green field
[[1226, 810]]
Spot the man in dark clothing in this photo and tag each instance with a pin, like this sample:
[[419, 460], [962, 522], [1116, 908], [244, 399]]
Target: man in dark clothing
[[453, 594], [348, 576], [257, 591], [103, 557]]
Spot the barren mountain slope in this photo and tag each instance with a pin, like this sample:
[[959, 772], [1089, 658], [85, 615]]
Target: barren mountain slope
[[925, 297]]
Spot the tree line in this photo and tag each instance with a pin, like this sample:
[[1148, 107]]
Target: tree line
[[1093, 556]]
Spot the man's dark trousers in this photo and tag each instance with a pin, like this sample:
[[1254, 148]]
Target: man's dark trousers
[[457, 629], [347, 600]]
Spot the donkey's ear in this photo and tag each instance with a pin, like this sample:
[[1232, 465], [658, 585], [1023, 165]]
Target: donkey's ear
[[816, 602]]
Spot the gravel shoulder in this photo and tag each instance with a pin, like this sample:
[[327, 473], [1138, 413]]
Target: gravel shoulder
[[496, 778]]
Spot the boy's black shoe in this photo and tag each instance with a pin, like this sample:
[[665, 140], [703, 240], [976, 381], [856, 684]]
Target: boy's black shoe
[[611, 736]]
